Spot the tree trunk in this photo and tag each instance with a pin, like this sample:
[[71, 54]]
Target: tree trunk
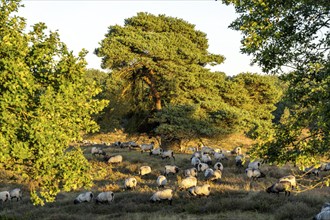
[[150, 81]]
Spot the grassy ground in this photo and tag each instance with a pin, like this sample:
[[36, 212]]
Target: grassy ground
[[234, 197]]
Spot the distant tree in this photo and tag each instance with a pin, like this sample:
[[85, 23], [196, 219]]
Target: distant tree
[[45, 104], [293, 34]]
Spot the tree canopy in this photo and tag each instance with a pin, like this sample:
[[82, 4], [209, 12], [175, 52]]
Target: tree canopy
[[45, 104], [154, 50], [160, 63], [292, 34]]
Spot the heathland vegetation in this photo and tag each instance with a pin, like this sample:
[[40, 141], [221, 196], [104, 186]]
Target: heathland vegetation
[[156, 86]]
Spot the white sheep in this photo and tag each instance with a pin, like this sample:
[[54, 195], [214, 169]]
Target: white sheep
[[16, 193], [192, 149], [115, 159], [161, 181], [324, 167], [240, 160], [254, 165], [156, 151], [195, 161], [218, 166], [130, 183], [203, 190], [105, 197], [97, 151], [212, 175], [190, 172], [4, 196], [219, 156], [284, 186], [144, 170], [207, 150], [254, 174], [188, 182], [197, 154], [217, 150], [167, 154], [129, 144], [206, 159], [146, 147], [237, 151], [166, 194], [324, 214], [202, 167], [289, 178], [171, 169], [84, 197]]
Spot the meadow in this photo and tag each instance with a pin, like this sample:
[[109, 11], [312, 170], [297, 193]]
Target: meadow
[[233, 197]]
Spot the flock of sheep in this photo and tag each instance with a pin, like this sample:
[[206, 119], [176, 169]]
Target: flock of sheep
[[207, 161]]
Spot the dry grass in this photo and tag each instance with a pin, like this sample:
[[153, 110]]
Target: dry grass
[[234, 197]]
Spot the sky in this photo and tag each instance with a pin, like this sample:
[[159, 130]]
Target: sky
[[83, 24]]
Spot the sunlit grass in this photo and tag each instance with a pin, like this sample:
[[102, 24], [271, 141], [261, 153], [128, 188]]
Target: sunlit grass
[[233, 197]]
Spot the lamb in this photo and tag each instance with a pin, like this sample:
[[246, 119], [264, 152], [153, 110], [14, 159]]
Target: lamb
[[97, 151], [254, 174], [291, 179], [283, 186], [105, 197], [188, 182], [115, 159], [190, 172], [211, 175], [219, 156], [161, 181], [167, 154], [130, 183], [237, 151], [324, 214], [171, 169], [166, 194], [206, 159], [254, 165], [146, 147], [84, 197], [156, 151], [4, 196], [203, 190], [218, 166], [144, 170], [16, 193], [195, 161], [202, 167], [239, 159]]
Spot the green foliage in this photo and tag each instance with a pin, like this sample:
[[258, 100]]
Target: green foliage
[[158, 63], [292, 34], [45, 104], [151, 52]]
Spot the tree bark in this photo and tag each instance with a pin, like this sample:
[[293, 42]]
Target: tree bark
[[158, 101]]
